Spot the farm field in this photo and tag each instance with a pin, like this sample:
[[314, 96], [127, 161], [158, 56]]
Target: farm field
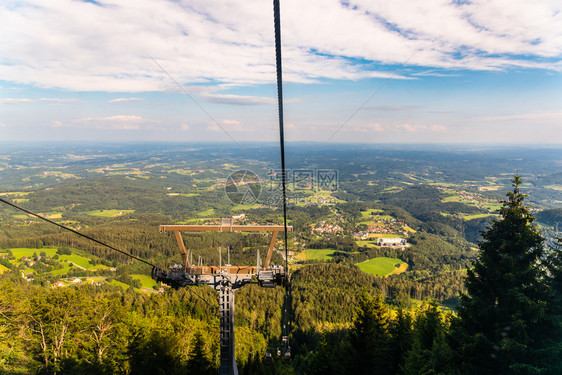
[[478, 216], [319, 254], [383, 235], [146, 281], [383, 266], [76, 259], [370, 244], [108, 213]]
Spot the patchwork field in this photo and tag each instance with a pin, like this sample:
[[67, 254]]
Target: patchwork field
[[383, 266], [146, 281], [77, 260], [319, 254], [108, 213]]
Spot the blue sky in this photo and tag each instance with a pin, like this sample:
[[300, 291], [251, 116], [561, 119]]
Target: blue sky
[[435, 71]]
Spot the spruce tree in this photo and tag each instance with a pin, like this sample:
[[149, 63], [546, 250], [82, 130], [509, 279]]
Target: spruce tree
[[429, 353], [370, 337], [402, 334], [553, 353], [503, 315]]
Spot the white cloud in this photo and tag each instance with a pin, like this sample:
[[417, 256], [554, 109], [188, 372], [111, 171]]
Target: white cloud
[[229, 126], [231, 122], [209, 94], [422, 128], [118, 122], [59, 100], [15, 100], [119, 100], [438, 128], [543, 116], [57, 124], [397, 128], [78, 45], [371, 128]]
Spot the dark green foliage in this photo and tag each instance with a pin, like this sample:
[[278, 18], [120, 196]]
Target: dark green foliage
[[430, 353], [199, 362], [554, 344], [401, 336], [369, 337], [503, 317], [551, 217]]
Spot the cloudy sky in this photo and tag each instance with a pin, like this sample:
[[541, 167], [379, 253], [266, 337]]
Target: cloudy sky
[[486, 71]]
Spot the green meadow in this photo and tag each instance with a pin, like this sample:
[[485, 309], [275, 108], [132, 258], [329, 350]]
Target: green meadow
[[381, 266], [319, 254], [108, 213]]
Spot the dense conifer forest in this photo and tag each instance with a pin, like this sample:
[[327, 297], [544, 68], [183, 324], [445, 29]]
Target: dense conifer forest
[[479, 292]]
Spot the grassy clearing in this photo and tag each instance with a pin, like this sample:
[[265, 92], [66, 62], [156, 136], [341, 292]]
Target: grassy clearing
[[451, 198], [28, 252], [368, 244], [78, 260], [3, 269], [207, 213], [146, 281], [382, 266], [384, 235], [15, 193], [402, 268], [108, 213], [65, 268], [492, 206], [183, 194], [372, 211], [300, 256], [319, 254], [478, 216], [490, 188], [243, 207], [122, 285]]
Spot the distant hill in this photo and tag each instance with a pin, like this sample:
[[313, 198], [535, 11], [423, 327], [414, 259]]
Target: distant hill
[[550, 217]]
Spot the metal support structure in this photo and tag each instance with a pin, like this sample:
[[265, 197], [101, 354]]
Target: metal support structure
[[224, 279], [226, 311]]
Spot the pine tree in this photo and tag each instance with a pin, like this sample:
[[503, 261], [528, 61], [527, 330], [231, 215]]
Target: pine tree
[[554, 265], [503, 314], [430, 353], [369, 336], [199, 362], [401, 333]]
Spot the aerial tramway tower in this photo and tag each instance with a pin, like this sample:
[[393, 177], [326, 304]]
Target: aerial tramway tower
[[225, 279]]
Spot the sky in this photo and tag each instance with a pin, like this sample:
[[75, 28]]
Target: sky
[[369, 71]]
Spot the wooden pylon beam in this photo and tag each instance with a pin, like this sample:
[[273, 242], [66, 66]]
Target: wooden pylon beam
[[271, 247], [183, 250], [177, 229]]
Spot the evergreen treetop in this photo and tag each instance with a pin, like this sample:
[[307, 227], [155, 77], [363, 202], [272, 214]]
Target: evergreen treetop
[[503, 315]]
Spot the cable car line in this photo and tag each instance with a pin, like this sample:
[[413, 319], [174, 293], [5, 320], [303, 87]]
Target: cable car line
[[200, 106], [76, 232], [382, 86], [154, 267], [277, 21]]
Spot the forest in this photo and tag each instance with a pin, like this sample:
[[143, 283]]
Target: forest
[[428, 319]]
